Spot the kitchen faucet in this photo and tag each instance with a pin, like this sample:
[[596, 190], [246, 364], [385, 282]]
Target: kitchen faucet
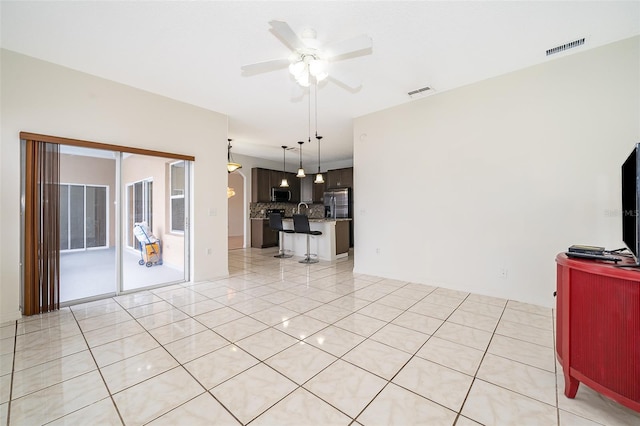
[[301, 204]]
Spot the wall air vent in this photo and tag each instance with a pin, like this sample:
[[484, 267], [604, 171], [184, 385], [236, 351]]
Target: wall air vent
[[420, 92], [565, 46]]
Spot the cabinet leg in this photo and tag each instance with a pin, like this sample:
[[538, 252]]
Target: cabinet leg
[[570, 386]]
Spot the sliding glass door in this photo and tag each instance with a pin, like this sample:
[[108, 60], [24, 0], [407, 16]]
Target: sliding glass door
[[83, 217], [122, 222]]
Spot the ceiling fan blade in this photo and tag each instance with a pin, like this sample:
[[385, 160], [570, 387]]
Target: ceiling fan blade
[[345, 80], [356, 46], [266, 66], [283, 31]]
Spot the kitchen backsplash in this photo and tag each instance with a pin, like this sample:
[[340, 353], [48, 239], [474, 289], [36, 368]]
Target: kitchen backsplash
[[259, 210]]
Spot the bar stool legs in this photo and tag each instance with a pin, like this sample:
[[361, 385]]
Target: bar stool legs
[[301, 226], [281, 253], [307, 257]]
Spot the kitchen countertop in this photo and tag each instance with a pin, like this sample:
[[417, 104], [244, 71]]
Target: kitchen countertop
[[322, 219]]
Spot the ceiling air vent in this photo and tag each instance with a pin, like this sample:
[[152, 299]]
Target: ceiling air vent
[[565, 46], [420, 92]]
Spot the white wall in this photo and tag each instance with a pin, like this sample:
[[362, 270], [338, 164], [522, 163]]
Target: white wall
[[499, 175], [43, 98]]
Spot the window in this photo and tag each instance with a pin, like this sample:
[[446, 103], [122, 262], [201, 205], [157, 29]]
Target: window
[[139, 207], [177, 187], [83, 216]]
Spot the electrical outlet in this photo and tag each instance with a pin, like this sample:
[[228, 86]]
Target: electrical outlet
[[377, 251], [208, 252]]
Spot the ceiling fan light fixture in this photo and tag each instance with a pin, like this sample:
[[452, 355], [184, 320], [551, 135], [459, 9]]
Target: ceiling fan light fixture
[[318, 69], [303, 79], [297, 68]]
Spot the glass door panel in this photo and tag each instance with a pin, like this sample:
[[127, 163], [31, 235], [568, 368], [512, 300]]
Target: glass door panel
[[155, 218], [87, 222]]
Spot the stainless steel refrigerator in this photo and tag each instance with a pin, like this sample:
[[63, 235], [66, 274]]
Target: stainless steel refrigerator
[[338, 203]]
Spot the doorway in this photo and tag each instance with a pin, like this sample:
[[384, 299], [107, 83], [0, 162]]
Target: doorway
[[236, 219], [100, 253]]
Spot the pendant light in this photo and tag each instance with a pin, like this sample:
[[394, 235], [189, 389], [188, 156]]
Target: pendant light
[[319, 177], [284, 183], [231, 166], [300, 169]]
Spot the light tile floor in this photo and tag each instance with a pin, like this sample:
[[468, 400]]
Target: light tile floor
[[281, 343]]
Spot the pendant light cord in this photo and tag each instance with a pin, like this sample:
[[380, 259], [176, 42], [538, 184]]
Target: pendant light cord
[[309, 133], [316, 112]]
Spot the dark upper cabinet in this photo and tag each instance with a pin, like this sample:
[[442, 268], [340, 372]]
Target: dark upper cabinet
[[276, 178], [318, 190], [262, 180], [260, 185], [294, 187], [340, 178]]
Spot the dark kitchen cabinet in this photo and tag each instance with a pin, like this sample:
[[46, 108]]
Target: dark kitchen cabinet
[[339, 178], [294, 187], [262, 235], [262, 180], [342, 236], [260, 185], [318, 191]]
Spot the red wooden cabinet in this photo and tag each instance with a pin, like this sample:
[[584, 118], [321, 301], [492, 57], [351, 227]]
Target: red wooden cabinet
[[598, 328]]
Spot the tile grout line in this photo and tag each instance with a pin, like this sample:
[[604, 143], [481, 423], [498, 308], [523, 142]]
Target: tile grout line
[[13, 368], [475, 375], [411, 358], [104, 382]]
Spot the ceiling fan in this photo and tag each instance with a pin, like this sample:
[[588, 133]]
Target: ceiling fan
[[308, 61]]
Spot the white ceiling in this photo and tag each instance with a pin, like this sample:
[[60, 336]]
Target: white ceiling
[[193, 51]]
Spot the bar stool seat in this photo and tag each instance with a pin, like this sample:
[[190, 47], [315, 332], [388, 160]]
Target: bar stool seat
[[275, 223], [301, 226]]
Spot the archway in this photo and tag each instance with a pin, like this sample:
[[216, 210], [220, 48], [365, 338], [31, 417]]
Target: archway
[[235, 195]]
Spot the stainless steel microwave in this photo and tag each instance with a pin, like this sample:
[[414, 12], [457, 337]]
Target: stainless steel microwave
[[280, 195]]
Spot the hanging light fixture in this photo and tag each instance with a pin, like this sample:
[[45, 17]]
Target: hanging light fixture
[[300, 169], [231, 166], [319, 177], [285, 182], [307, 66]]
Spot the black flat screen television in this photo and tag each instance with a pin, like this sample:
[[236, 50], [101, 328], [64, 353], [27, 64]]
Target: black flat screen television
[[630, 202]]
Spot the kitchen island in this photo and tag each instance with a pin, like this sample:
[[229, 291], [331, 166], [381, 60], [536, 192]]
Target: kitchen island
[[328, 246]]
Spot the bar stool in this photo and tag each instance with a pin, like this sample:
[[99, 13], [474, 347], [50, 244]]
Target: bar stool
[[301, 226], [275, 223]]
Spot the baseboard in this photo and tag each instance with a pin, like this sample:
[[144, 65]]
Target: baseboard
[[10, 317]]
